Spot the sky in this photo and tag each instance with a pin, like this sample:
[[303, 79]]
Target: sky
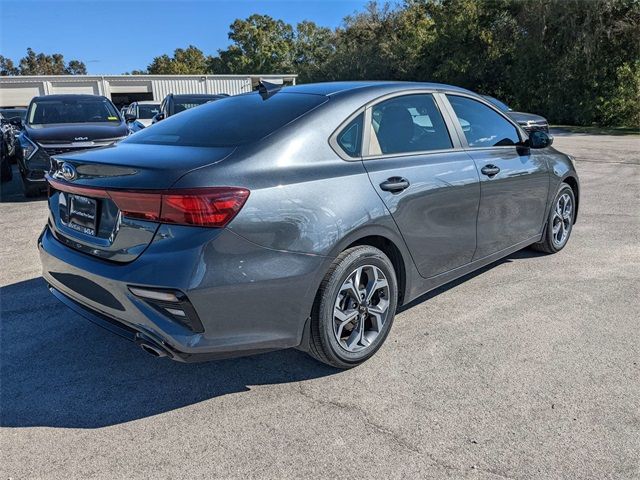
[[115, 36]]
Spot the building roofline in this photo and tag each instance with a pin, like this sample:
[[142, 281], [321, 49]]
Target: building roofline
[[144, 77]]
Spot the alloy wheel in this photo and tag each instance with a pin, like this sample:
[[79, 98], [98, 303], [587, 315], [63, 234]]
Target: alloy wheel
[[361, 308], [562, 219]]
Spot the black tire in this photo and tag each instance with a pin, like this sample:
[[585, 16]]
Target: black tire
[[549, 243], [30, 191], [323, 343], [6, 173]]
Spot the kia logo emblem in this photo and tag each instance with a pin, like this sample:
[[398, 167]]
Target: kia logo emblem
[[81, 139], [68, 171]]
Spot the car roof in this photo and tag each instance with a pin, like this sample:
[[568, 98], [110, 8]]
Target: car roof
[[343, 88], [180, 96], [68, 96]]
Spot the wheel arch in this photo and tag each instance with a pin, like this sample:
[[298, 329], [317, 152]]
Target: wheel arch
[[392, 245], [572, 181]]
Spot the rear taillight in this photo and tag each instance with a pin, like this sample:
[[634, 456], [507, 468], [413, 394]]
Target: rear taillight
[[145, 206], [209, 207], [204, 207]]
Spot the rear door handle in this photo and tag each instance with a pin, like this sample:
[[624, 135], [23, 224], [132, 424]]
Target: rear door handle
[[490, 170], [395, 184]]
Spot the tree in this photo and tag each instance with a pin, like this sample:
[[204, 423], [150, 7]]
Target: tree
[[42, 64], [7, 67], [260, 44], [313, 46], [189, 61], [382, 42], [75, 67]]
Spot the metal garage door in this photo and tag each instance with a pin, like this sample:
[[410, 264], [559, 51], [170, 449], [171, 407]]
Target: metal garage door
[[75, 87], [19, 95]]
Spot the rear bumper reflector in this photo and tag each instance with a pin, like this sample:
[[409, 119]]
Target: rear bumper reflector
[[172, 303]]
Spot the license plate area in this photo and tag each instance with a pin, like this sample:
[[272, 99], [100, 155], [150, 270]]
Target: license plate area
[[82, 214]]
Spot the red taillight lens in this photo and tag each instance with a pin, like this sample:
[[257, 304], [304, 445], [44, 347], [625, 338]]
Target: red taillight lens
[[207, 207], [145, 206]]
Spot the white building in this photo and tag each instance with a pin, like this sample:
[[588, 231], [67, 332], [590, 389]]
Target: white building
[[124, 89]]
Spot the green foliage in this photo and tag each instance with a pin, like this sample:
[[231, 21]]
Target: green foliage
[[574, 61], [570, 60], [313, 46], [7, 67], [41, 64], [622, 106], [189, 61]]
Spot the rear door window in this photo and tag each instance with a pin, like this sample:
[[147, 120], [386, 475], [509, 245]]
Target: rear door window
[[483, 126], [410, 123]]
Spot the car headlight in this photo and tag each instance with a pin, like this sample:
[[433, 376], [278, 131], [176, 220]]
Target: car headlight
[[29, 148]]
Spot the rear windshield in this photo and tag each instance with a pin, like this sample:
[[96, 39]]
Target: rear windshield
[[147, 111], [182, 104], [13, 113], [72, 110], [230, 121]]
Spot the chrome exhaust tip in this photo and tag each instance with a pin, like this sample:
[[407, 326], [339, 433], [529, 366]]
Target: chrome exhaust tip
[[151, 347]]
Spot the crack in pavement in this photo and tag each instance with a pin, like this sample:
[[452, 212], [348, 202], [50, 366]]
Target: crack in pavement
[[398, 439]]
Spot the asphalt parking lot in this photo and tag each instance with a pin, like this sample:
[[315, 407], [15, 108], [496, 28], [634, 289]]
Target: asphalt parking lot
[[527, 369]]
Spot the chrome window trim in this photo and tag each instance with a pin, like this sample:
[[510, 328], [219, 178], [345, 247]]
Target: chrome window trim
[[333, 138], [465, 145], [419, 153], [454, 129]]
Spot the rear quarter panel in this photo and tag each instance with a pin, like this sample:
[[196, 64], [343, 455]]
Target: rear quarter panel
[[304, 198]]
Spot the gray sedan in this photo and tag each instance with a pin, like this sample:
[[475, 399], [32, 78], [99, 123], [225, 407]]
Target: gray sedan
[[301, 217]]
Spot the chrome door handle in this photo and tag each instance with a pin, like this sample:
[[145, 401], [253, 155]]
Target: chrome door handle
[[395, 184], [490, 170]]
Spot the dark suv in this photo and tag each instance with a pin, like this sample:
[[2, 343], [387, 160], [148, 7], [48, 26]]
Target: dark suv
[[530, 122], [58, 124], [173, 103]]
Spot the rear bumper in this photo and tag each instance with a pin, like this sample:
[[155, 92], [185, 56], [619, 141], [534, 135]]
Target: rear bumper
[[249, 299]]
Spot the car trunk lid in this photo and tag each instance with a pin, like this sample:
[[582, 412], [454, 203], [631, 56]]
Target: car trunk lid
[[88, 189]]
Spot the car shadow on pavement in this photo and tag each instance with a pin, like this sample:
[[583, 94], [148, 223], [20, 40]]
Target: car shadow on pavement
[[59, 370], [521, 254]]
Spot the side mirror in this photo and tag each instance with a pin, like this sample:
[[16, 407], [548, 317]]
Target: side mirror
[[16, 122], [130, 117], [539, 139]]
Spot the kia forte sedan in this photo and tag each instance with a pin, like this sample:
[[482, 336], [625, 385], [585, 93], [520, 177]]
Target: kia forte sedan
[[301, 218]]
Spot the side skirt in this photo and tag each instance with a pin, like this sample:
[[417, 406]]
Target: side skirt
[[422, 286]]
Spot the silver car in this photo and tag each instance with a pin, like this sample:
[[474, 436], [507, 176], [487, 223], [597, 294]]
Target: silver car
[[301, 217]]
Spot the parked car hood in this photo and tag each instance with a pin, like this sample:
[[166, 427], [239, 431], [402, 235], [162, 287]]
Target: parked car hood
[[75, 132], [524, 118]]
